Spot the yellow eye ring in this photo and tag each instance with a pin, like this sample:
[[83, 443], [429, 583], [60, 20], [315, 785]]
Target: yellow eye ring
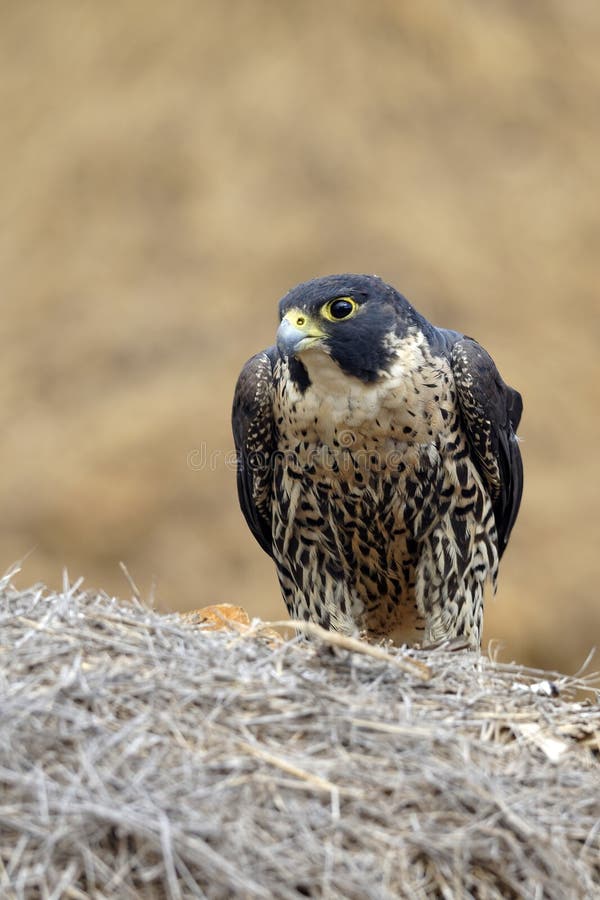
[[339, 309]]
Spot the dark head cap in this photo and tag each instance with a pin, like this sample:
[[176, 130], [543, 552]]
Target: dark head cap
[[353, 318]]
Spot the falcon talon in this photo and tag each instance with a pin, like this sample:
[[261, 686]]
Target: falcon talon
[[378, 464], [448, 645]]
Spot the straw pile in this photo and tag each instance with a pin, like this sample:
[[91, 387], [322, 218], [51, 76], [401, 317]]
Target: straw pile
[[144, 755]]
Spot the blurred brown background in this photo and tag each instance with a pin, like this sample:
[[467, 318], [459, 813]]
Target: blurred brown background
[[170, 170]]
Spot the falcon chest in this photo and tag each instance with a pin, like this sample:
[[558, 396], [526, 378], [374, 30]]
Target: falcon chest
[[356, 461]]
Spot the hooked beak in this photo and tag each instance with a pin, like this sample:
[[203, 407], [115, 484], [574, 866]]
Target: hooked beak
[[297, 332]]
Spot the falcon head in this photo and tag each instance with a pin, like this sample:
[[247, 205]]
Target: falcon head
[[356, 320]]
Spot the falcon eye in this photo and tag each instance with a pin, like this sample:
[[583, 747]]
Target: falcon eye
[[340, 308]]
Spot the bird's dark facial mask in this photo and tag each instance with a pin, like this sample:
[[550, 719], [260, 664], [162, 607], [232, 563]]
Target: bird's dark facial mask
[[353, 320]]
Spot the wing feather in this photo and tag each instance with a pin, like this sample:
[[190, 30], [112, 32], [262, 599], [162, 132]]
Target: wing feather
[[491, 411], [253, 433]]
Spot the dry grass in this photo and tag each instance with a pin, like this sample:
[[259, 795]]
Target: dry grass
[[144, 754]]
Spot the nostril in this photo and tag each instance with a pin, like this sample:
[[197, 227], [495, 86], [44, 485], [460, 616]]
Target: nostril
[[300, 321]]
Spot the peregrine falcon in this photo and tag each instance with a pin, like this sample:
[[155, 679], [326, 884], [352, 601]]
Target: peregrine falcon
[[378, 463]]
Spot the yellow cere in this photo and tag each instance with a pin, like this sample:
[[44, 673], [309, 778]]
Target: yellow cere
[[298, 319]]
